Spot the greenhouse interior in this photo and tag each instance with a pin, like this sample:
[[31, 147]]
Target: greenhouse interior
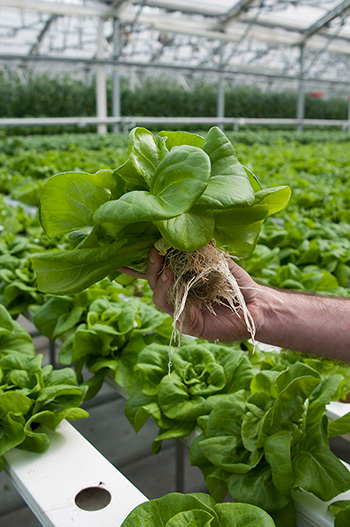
[[175, 263]]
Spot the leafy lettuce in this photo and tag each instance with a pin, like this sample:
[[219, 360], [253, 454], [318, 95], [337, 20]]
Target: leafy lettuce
[[179, 187], [202, 375], [105, 336], [341, 510], [261, 445], [31, 395], [195, 510], [281, 359]]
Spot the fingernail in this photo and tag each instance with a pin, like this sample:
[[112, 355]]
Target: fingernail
[[164, 277], [152, 260]]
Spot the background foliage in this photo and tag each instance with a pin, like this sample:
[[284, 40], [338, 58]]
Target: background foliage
[[305, 247], [65, 96]]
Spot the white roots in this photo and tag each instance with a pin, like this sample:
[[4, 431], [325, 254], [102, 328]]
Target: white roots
[[203, 279]]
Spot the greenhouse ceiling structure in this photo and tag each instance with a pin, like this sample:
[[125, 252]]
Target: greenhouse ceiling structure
[[283, 39], [299, 44]]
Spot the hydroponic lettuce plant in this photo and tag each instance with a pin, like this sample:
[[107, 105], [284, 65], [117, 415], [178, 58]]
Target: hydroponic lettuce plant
[[111, 338], [202, 376], [186, 194], [280, 360], [195, 510], [102, 332], [31, 395], [263, 445]]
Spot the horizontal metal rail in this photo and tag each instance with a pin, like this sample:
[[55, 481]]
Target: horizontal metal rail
[[131, 121], [226, 73]]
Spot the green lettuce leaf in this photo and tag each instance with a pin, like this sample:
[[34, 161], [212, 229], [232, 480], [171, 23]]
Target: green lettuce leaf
[[180, 190], [67, 272], [196, 510], [229, 184], [316, 468], [179, 231], [341, 510], [181, 138], [144, 157], [69, 200], [180, 178]]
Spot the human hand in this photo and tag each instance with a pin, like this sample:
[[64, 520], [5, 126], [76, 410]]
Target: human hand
[[131, 272], [226, 325]]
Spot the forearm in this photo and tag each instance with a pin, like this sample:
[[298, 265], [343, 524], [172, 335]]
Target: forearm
[[309, 323]]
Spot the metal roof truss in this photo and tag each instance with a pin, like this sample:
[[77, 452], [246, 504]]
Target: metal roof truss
[[249, 37]]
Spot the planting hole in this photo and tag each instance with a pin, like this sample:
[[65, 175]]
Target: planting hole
[[93, 498]]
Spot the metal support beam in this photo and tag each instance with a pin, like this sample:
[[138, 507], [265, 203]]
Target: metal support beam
[[326, 19], [35, 47], [101, 87], [263, 22], [234, 12], [233, 71], [320, 52], [301, 94], [220, 102], [52, 353], [130, 121], [92, 9], [181, 25], [116, 100], [184, 6], [62, 8]]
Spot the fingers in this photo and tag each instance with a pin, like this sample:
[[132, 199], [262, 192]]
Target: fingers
[[131, 272], [159, 278], [242, 277], [155, 265], [152, 271], [250, 289], [161, 289]]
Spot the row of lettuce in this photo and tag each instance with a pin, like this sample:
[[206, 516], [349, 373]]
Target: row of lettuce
[[261, 434], [276, 439]]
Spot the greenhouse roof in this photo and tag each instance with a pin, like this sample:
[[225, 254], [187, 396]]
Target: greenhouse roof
[[263, 38]]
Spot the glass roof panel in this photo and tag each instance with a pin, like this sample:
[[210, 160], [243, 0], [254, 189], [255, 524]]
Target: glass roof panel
[[206, 7], [235, 36]]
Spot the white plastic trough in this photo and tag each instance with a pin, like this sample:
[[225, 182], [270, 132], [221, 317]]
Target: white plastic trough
[[336, 409], [50, 483], [73, 476], [312, 512]]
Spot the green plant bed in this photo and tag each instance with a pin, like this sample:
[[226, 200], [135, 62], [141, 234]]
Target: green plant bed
[[31, 395]]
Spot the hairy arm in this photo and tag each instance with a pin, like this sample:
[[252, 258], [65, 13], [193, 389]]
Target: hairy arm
[[310, 323]]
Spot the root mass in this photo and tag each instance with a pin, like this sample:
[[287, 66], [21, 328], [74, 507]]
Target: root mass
[[203, 279]]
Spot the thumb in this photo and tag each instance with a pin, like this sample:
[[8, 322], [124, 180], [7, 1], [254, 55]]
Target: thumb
[[243, 278]]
